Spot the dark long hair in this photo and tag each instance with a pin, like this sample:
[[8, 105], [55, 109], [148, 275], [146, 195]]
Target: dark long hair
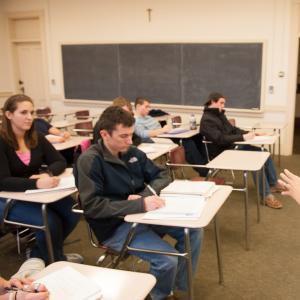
[[6, 131], [213, 97]]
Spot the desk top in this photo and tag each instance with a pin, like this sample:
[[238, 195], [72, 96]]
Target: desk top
[[263, 125], [115, 284], [73, 141], [213, 204], [43, 197], [239, 160], [259, 140], [155, 150], [183, 135]]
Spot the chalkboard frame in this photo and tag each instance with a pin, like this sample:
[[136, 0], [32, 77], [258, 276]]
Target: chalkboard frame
[[104, 100]]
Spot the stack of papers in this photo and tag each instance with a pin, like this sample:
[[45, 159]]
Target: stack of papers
[[185, 200], [69, 284], [66, 183]]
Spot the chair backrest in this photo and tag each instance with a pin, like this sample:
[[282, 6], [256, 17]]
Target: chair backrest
[[82, 114], [44, 112], [176, 121], [84, 128]]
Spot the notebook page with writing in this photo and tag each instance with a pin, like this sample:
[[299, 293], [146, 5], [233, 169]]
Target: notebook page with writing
[[188, 187], [66, 182], [69, 284], [178, 207]]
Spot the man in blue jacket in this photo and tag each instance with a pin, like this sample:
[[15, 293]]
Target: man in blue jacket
[[112, 177]]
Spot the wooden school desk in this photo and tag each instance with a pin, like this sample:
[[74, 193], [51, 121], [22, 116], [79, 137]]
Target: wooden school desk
[[213, 204], [44, 198], [115, 284], [245, 161]]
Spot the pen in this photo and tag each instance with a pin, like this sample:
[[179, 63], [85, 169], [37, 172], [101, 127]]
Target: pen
[[151, 189]]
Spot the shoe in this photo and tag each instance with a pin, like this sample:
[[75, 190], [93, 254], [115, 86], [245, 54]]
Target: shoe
[[272, 202], [74, 257], [278, 188], [29, 268]]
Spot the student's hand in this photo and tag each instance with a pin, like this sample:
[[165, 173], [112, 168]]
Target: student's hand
[[66, 135], [248, 136], [153, 202], [166, 128], [42, 294], [261, 133], [38, 176], [291, 183], [134, 197], [3, 284], [47, 183]]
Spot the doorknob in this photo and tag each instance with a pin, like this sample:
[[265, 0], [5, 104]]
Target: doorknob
[[21, 82]]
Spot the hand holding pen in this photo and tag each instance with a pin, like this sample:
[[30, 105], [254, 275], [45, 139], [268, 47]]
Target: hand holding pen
[[153, 202]]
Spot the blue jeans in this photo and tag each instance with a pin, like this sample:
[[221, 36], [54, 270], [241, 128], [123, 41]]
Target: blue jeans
[[170, 271], [270, 171], [61, 221]]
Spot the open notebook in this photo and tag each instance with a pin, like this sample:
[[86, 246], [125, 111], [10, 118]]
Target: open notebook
[[185, 200], [66, 183], [69, 284]]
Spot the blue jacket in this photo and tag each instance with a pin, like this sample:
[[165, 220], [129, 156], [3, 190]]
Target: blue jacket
[[104, 183]]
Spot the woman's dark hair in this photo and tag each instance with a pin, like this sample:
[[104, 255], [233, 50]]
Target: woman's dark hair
[[213, 97], [113, 116], [6, 131]]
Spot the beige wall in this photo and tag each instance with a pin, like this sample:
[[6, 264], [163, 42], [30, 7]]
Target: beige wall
[[117, 21]]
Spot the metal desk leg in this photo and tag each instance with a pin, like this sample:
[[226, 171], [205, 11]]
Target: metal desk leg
[[279, 146], [264, 185], [189, 263], [127, 242], [218, 247], [47, 233], [258, 196], [246, 208]]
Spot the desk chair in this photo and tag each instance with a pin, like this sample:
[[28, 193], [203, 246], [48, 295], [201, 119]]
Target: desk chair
[[44, 112], [22, 233], [84, 128], [177, 161], [176, 121], [110, 256], [82, 114]]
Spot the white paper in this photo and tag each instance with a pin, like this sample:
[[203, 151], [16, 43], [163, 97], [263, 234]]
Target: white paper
[[178, 130], [69, 284], [188, 187], [262, 138], [180, 207], [147, 148], [66, 183]]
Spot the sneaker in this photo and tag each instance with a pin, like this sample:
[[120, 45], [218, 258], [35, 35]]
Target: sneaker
[[74, 257], [29, 268], [272, 202]]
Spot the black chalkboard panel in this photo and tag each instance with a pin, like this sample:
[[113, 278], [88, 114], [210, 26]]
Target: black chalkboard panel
[[165, 73]]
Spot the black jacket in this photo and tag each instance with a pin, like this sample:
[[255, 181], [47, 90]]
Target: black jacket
[[104, 183], [216, 128]]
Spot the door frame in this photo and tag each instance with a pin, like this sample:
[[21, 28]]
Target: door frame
[[39, 15]]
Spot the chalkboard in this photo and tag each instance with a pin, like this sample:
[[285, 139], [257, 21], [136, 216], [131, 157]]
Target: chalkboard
[[181, 74]]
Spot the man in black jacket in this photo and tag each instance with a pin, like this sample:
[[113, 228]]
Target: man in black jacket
[[216, 128], [112, 178]]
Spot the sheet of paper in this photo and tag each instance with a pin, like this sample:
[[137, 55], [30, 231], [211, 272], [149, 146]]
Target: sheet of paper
[[66, 182], [262, 138], [68, 284], [178, 130], [178, 207], [147, 148]]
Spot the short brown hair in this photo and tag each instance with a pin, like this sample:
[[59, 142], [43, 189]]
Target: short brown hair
[[6, 131], [140, 101], [121, 101], [113, 116]]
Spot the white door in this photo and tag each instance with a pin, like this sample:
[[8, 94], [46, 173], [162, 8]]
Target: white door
[[30, 74]]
